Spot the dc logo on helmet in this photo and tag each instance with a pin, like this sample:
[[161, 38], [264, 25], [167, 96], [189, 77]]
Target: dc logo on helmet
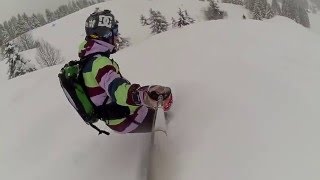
[[91, 23], [105, 21]]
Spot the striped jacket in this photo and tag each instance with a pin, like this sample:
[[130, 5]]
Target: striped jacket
[[103, 80]]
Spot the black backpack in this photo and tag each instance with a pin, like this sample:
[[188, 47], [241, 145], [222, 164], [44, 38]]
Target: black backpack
[[72, 84]]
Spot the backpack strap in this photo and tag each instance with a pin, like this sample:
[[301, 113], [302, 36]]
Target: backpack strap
[[99, 130], [81, 64]]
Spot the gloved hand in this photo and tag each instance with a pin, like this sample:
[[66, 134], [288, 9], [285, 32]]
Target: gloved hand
[[150, 95]]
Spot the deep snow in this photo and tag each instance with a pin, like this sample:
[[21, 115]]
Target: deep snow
[[246, 107]]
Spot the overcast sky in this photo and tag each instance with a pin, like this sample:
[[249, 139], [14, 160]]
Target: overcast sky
[[9, 8]]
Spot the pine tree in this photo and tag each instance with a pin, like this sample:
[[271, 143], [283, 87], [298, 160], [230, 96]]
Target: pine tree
[[213, 12], [123, 42], [276, 7], [174, 23], [35, 23], [62, 11], [184, 19], [8, 28], [17, 65], [290, 9], [22, 26], [158, 22], [258, 10], [269, 13], [3, 35], [49, 15], [143, 20], [249, 4], [41, 19], [71, 8], [75, 6], [304, 17], [26, 19], [13, 23]]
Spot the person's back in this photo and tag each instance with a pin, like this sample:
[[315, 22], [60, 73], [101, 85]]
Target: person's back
[[125, 107]]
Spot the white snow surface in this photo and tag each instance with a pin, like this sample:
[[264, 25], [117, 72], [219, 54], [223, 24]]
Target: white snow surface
[[246, 98]]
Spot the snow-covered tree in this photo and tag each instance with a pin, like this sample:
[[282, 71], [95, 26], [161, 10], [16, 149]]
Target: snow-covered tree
[[258, 10], [13, 23], [276, 7], [26, 19], [75, 6], [17, 65], [47, 55], [269, 13], [123, 42], [35, 23], [143, 20], [157, 22], [249, 4], [294, 9], [289, 9], [213, 12], [22, 25], [62, 11], [304, 17], [174, 23], [41, 19], [3, 35], [9, 30], [26, 42], [183, 20], [50, 15]]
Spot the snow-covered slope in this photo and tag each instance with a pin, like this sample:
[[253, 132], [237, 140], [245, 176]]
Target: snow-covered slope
[[246, 107]]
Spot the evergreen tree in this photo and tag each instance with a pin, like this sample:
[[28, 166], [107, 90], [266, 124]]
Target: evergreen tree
[[143, 20], [75, 6], [258, 10], [269, 13], [50, 15], [249, 4], [17, 65], [173, 23], [26, 19], [184, 19], [157, 22], [13, 23], [288, 9], [35, 23], [22, 26], [71, 8], [276, 7], [123, 42], [3, 35], [213, 12], [41, 19], [62, 11], [8, 28], [304, 17]]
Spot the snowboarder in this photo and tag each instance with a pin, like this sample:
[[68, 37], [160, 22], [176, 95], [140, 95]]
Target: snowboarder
[[125, 107]]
